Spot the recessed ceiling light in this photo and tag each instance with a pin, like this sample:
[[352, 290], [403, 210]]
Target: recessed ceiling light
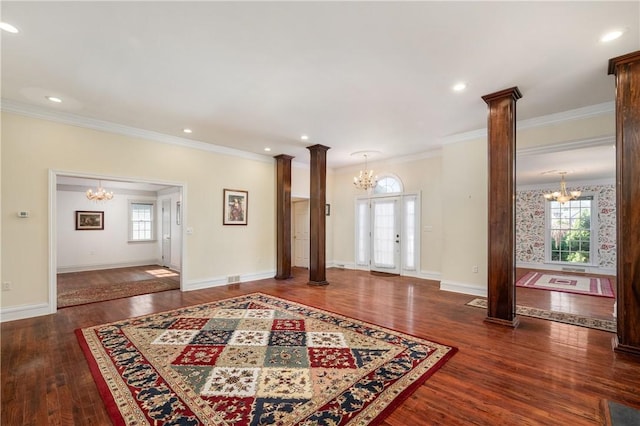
[[8, 28], [187, 130], [267, 149], [54, 99], [304, 137], [459, 87], [611, 35]]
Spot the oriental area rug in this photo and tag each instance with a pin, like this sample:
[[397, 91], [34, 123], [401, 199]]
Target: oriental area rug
[[69, 296], [255, 360], [563, 317], [591, 286]]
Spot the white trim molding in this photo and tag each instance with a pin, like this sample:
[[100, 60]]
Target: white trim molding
[[464, 288], [13, 313], [222, 281], [106, 126]]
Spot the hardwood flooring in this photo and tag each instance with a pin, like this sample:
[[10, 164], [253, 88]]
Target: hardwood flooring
[[541, 373]]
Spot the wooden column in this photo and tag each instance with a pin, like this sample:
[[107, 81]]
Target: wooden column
[[318, 194], [627, 73], [501, 127], [283, 216]]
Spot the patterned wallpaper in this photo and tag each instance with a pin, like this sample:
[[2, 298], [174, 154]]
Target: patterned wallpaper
[[530, 224]]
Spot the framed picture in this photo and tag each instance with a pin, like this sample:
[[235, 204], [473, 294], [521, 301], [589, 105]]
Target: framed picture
[[235, 207], [89, 220], [178, 213]]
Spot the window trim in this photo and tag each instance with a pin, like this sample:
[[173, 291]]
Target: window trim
[[153, 204]]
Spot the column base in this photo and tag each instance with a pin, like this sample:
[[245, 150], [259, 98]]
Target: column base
[[513, 323], [318, 283], [624, 349]]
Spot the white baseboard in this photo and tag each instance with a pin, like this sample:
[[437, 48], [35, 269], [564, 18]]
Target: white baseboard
[[13, 313], [221, 281], [464, 288], [340, 264], [557, 267], [430, 275], [98, 267]]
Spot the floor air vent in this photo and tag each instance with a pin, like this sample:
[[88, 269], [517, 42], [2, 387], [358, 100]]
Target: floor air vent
[[574, 270], [233, 279]]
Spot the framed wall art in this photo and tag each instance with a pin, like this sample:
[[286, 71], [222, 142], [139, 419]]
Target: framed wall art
[[235, 207], [89, 220]]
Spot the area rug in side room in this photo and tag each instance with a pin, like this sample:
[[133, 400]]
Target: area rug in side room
[[99, 293], [255, 359], [591, 286], [563, 317]]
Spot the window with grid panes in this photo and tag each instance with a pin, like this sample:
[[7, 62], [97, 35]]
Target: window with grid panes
[[569, 230], [141, 220]]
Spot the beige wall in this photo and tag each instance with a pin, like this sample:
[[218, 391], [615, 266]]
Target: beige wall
[[30, 147], [453, 188]]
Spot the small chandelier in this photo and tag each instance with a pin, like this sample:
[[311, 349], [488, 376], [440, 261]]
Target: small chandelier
[[562, 196], [100, 194], [365, 180]]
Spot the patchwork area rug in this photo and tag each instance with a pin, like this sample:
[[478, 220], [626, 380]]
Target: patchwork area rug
[[80, 296], [568, 283], [255, 360], [582, 321]]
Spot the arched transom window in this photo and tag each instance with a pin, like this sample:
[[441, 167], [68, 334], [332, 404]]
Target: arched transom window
[[388, 183]]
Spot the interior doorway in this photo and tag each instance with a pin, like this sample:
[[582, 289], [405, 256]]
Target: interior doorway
[[120, 241], [301, 233]]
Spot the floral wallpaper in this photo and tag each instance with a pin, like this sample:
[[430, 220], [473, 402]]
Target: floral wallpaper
[[530, 224]]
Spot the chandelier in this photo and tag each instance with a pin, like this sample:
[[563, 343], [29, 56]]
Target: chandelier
[[100, 194], [365, 180], [562, 196]]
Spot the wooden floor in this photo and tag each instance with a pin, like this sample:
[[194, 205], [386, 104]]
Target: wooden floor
[[541, 373]]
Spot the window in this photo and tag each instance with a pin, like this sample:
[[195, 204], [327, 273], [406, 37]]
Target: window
[[387, 184], [141, 220], [570, 235]]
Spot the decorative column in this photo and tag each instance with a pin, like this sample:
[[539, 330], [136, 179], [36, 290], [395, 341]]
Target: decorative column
[[283, 216], [501, 125], [627, 73], [318, 200]]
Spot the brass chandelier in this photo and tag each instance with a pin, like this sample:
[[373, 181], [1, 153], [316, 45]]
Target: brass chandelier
[[100, 194], [563, 195], [365, 180]]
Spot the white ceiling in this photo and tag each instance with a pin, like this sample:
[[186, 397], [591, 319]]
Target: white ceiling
[[352, 75]]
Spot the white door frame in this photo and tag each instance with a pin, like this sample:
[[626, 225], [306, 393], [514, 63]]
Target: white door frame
[[366, 264], [166, 232], [53, 199]]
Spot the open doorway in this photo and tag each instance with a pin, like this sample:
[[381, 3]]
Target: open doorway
[[128, 245], [562, 246]]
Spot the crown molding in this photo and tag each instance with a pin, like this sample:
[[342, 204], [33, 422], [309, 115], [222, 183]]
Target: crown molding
[[542, 121], [574, 184], [106, 126], [567, 146]]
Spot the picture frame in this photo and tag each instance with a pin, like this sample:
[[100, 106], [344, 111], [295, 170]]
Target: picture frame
[[89, 220], [235, 207], [178, 213]]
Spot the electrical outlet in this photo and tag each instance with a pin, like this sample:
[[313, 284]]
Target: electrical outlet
[[6, 286], [474, 269]]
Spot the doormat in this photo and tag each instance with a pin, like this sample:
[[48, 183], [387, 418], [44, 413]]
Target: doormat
[[255, 359], [568, 283]]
